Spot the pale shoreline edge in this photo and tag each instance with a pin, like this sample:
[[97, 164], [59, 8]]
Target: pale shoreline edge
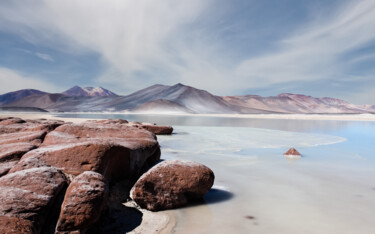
[[338, 117]]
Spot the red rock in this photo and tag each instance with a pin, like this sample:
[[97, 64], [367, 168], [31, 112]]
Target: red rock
[[158, 129], [18, 125], [10, 154], [171, 184], [292, 152], [10, 120], [115, 158], [31, 194], [14, 151], [14, 225], [84, 201], [6, 166], [110, 149]]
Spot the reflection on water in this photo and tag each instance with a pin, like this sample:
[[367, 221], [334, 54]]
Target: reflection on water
[[277, 124]]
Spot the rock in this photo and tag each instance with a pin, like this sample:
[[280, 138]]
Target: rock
[[292, 152], [14, 225], [84, 201], [6, 166], [13, 125], [10, 154], [18, 136], [34, 137], [115, 150], [159, 130], [171, 184], [16, 150], [31, 194]]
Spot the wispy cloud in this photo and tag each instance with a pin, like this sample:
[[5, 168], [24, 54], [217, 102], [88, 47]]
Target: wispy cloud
[[43, 56], [317, 51], [46, 57], [145, 42]]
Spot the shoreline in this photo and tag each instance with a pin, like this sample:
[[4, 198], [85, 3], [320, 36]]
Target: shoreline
[[336, 117]]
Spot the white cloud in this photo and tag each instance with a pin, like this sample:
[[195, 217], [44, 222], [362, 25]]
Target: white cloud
[[11, 81], [146, 41], [316, 51], [46, 57]]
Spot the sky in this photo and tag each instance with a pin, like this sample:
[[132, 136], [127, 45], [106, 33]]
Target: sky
[[316, 47]]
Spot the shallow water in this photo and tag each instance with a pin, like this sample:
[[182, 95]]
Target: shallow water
[[331, 189]]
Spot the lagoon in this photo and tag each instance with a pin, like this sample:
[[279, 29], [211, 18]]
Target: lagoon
[[331, 189]]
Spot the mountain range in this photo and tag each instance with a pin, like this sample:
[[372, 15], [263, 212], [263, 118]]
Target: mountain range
[[178, 98]]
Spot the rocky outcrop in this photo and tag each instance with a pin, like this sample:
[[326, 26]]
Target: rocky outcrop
[[84, 201], [18, 137], [14, 225], [113, 149], [30, 195], [172, 184], [58, 177], [292, 152]]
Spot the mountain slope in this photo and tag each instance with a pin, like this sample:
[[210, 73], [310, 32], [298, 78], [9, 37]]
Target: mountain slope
[[77, 91], [297, 103], [18, 95], [162, 106], [178, 98]]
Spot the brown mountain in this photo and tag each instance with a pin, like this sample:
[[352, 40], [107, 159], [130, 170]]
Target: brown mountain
[[180, 98]]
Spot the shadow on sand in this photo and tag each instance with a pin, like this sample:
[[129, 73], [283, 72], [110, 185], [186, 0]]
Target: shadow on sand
[[213, 196], [118, 219]]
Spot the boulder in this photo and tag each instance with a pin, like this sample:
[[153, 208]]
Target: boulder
[[14, 225], [158, 129], [11, 153], [84, 202], [171, 184], [115, 150], [292, 152], [12, 125], [18, 137], [31, 195]]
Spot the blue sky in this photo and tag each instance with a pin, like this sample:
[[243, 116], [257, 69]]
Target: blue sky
[[316, 47]]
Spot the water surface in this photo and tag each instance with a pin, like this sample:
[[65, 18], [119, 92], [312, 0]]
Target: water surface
[[331, 189]]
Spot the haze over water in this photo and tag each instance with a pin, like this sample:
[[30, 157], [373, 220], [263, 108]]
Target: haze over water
[[331, 189]]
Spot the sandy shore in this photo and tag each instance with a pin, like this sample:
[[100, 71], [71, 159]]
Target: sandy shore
[[152, 222]]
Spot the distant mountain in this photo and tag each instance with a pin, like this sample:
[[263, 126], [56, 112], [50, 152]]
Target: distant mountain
[[297, 103], [179, 98], [18, 95], [77, 91], [162, 106]]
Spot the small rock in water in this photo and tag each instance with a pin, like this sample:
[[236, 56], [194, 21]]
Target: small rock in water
[[292, 152]]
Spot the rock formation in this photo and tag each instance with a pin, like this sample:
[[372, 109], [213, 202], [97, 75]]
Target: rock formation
[[172, 184], [57, 176], [292, 152], [84, 201]]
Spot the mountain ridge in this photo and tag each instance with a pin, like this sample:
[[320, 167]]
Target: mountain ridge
[[177, 98]]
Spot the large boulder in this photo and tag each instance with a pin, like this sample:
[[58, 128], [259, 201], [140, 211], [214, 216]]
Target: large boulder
[[113, 149], [14, 225], [171, 184], [31, 195], [11, 153], [18, 136], [84, 201]]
